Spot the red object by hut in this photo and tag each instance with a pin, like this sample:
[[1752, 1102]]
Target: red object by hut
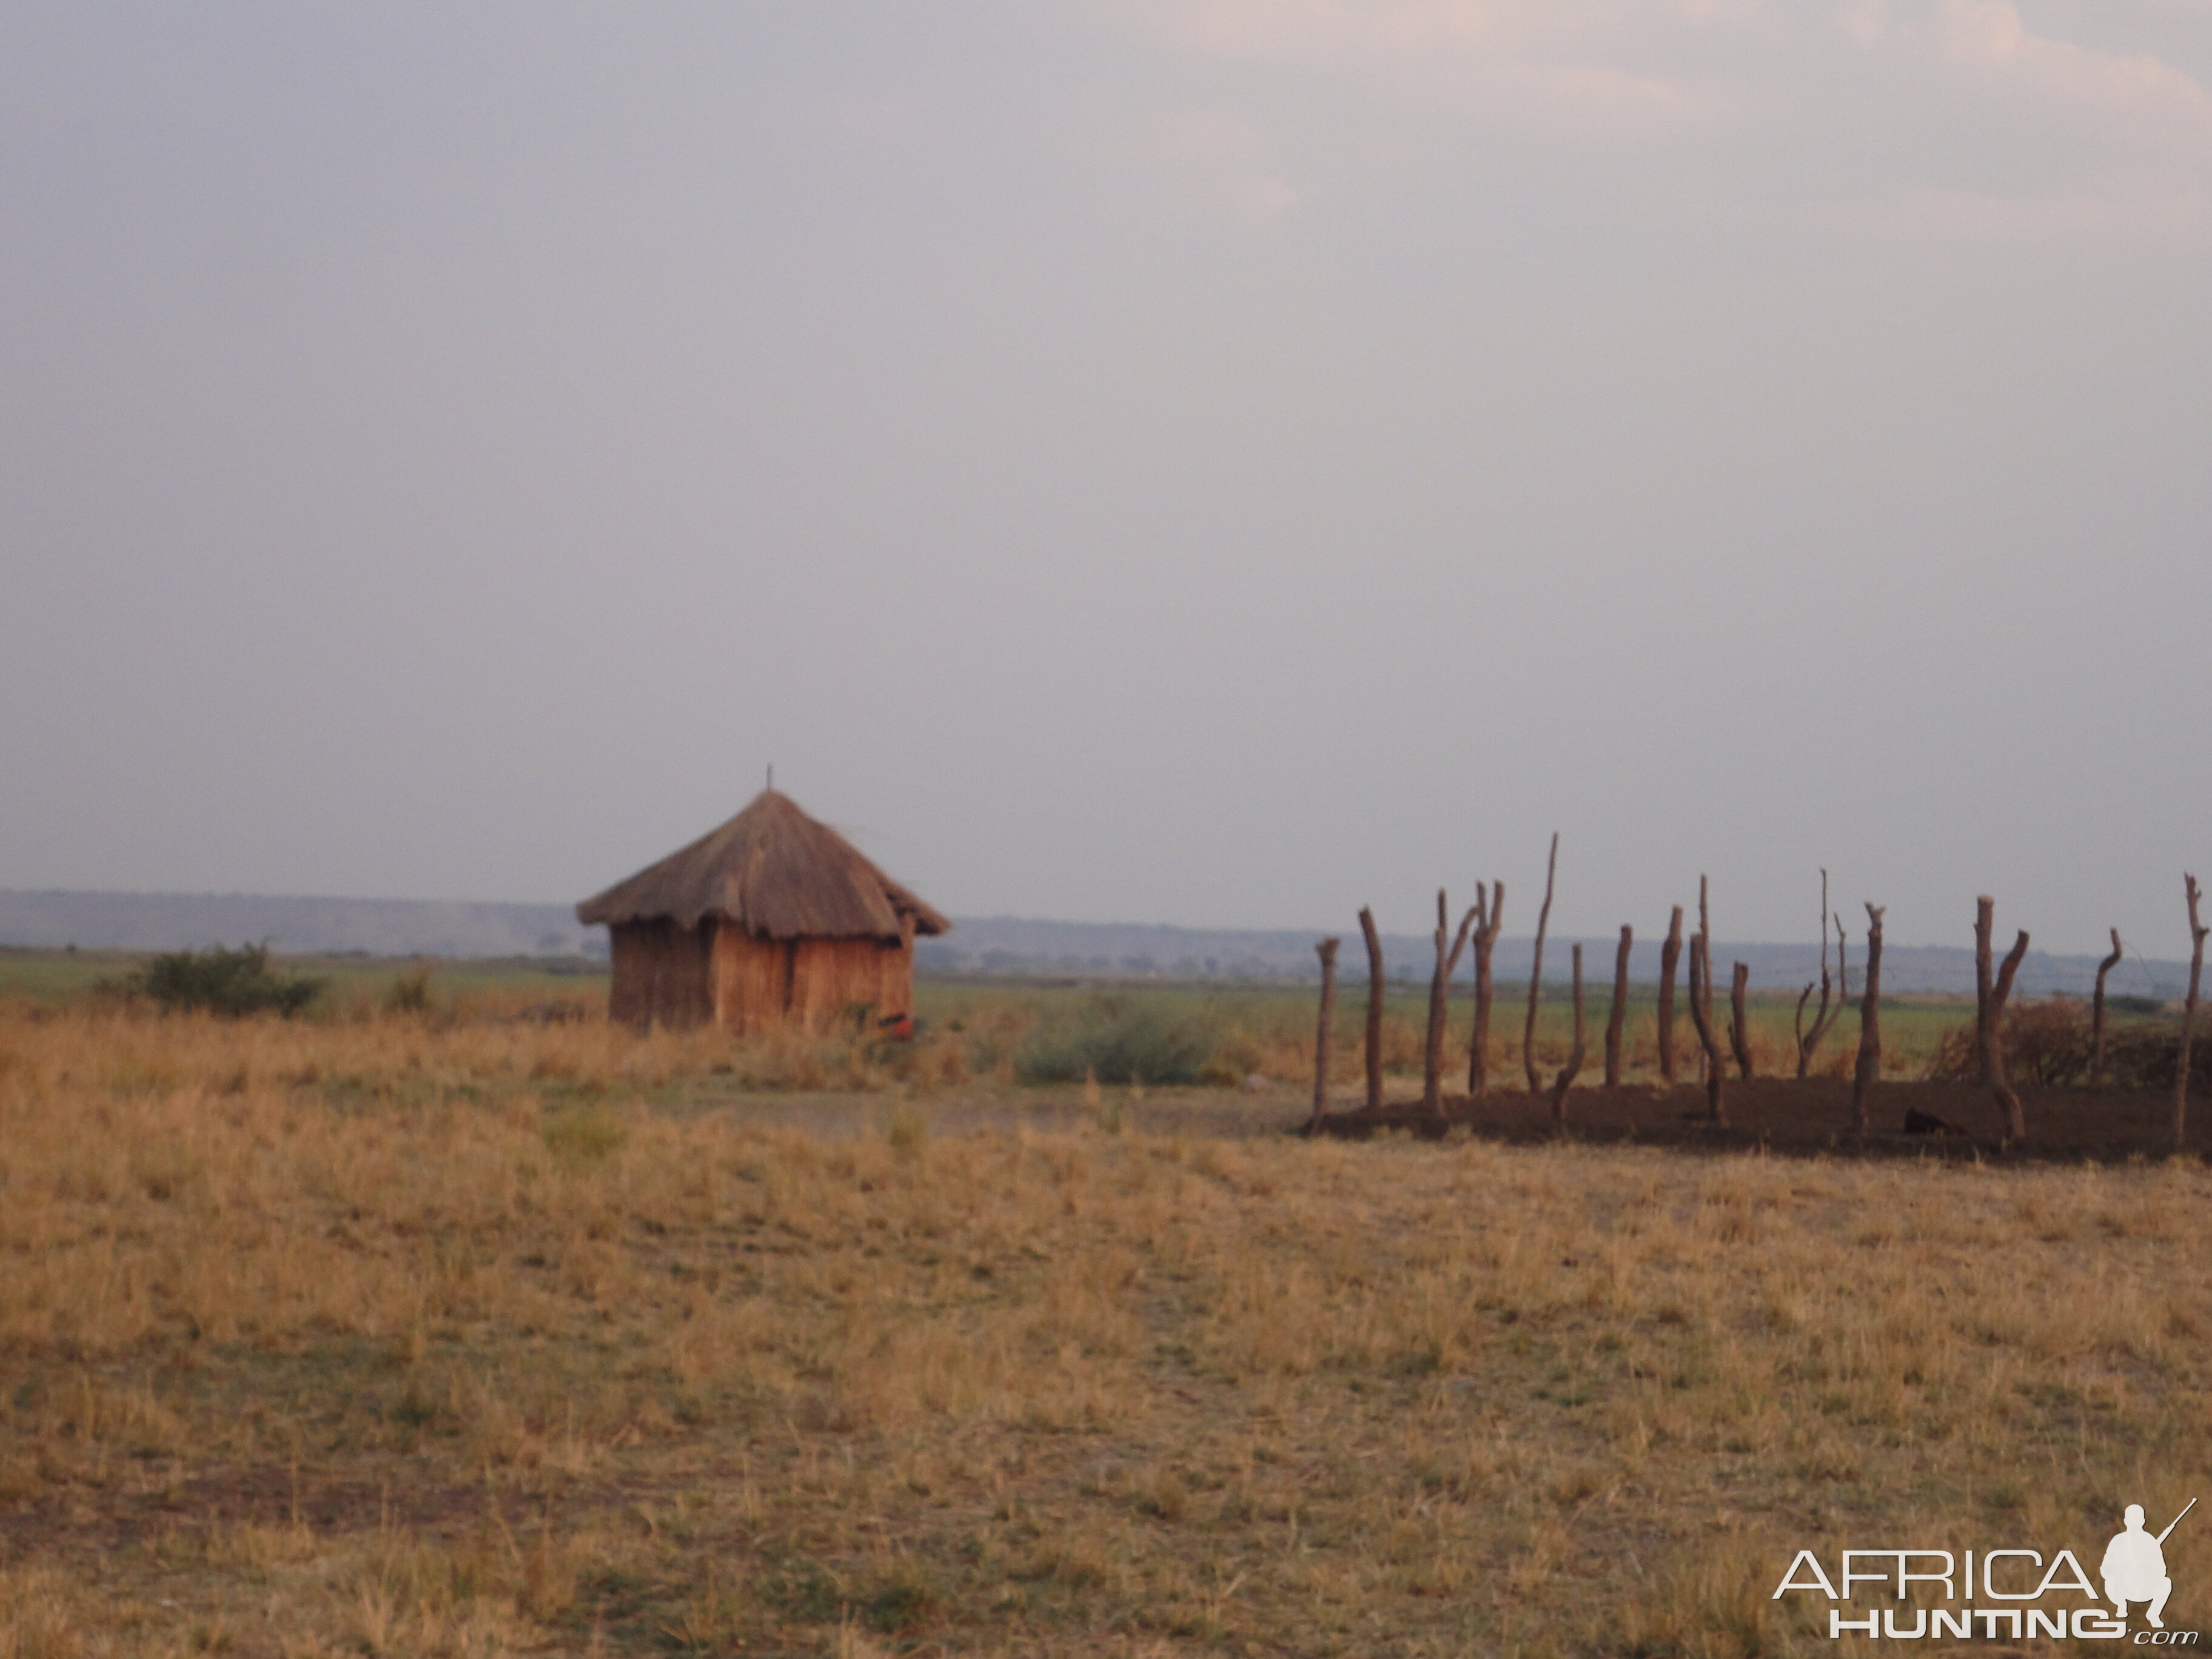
[[773, 919]]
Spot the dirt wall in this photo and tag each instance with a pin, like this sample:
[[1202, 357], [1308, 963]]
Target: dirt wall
[[1815, 1116], [760, 983], [660, 974]]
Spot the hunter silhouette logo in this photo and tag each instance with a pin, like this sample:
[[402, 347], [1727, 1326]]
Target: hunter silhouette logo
[[2134, 1565], [2003, 1596]]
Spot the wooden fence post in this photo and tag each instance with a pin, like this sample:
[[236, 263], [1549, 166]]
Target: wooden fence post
[[1989, 1000], [1619, 1019], [2097, 1012], [1572, 1069], [1670, 956], [1993, 1056], [1489, 917], [1374, 1008], [1701, 1016], [1808, 1042], [1536, 975], [2197, 932], [1984, 920], [1739, 1021], [1708, 1027], [1325, 1029], [1432, 1050], [1869, 1071]]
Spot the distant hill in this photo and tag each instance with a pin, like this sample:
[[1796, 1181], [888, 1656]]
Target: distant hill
[[383, 927], [1016, 945], [1009, 945]]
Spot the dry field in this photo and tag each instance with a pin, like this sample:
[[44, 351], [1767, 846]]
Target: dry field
[[396, 1336]]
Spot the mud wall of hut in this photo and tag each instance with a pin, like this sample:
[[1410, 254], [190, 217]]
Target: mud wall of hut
[[810, 982], [660, 973], [663, 974]]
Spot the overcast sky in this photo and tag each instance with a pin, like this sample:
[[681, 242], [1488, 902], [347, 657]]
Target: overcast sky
[[1209, 461]]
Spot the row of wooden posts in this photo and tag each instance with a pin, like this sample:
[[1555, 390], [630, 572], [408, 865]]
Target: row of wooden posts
[[1480, 927]]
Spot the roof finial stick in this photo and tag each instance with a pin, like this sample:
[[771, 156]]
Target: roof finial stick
[[771, 774]]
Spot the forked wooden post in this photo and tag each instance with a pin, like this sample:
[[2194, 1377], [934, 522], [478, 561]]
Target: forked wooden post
[[1618, 1019], [1869, 1071], [1808, 1042], [1432, 1050], [1325, 1029], [2197, 932], [1572, 1069], [1374, 1008], [1536, 975], [1670, 957], [1489, 917], [2097, 1012]]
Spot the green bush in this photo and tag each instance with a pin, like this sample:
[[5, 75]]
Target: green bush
[[231, 983], [1123, 1040]]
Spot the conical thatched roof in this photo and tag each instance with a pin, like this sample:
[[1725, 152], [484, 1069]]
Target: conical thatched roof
[[775, 871]]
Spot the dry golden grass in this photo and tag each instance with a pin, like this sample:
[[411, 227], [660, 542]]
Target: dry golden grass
[[380, 1337]]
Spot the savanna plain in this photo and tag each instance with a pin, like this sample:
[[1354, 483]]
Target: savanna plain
[[447, 1319]]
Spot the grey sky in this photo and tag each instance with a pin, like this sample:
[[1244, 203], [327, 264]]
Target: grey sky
[[1218, 462]]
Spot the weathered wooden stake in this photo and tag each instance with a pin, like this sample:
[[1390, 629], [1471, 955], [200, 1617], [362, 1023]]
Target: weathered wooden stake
[[1536, 975], [1985, 918], [1738, 1021], [1572, 1069], [1489, 917], [1990, 1011], [2197, 932], [1670, 955], [2008, 1097], [1432, 1051], [1705, 930], [1618, 1019], [1869, 1071], [1326, 1029], [1374, 1009], [2097, 1012], [1808, 1042], [1709, 1028], [1701, 1016]]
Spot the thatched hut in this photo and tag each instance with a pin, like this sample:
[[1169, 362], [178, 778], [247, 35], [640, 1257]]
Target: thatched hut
[[773, 919]]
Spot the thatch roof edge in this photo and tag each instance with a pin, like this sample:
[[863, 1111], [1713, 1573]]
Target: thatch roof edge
[[775, 872]]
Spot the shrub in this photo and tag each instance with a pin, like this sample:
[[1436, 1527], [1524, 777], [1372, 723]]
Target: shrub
[[2047, 1043], [2146, 1055], [231, 983], [1123, 1040], [410, 992]]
